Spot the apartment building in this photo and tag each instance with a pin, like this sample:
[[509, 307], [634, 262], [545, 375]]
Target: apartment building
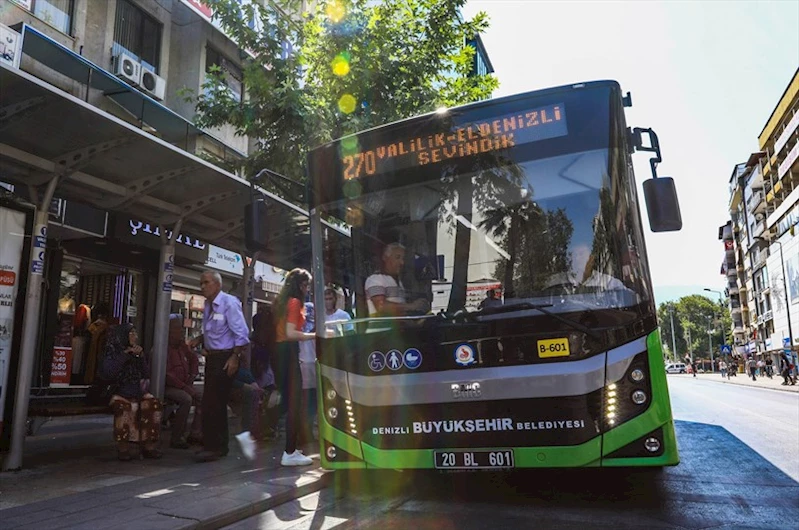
[[159, 47], [761, 239]]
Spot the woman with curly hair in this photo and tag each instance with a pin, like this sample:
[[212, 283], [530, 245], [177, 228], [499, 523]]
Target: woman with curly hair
[[289, 311], [137, 413]]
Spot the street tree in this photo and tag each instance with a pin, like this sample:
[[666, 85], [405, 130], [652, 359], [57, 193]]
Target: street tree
[[694, 316], [354, 64]]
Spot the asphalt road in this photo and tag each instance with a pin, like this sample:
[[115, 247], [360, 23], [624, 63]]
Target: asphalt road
[[765, 420], [740, 465]]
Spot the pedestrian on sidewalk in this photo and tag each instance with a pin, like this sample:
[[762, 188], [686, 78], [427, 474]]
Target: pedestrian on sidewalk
[[248, 395], [308, 372], [692, 364], [750, 368], [182, 367], [225, 335], [137, 413], [785, 370], [261, 357], [723, 369], [290, 315], [770, 367]]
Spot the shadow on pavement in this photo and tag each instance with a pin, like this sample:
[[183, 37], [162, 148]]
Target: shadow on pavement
[[721, 483]]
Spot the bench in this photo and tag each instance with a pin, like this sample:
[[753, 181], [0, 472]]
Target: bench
[[41, 410]]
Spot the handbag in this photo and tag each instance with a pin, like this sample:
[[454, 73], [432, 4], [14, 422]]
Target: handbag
[[102, 390]]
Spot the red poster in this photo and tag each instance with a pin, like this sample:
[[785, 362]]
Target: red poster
[[61, 366]]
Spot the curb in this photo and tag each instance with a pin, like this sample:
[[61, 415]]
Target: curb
[[778, 389], [239, 514], [728, 382]]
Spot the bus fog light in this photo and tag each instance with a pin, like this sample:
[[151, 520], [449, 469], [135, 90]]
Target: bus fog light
[[331, 453], [637, 375], [332, 413], [639, 397], [331, 394], [652, 445]]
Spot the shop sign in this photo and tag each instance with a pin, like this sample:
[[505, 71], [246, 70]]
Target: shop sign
[[149, 235], [12, 226], [224, 260], [60, 368]]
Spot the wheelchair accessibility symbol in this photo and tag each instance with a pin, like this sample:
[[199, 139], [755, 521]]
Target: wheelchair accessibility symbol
[[377, 361]]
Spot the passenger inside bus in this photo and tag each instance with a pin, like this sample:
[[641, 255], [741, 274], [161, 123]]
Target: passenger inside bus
[[385, 293]]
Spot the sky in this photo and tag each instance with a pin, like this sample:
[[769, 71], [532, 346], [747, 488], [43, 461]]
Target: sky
[[704, 75]]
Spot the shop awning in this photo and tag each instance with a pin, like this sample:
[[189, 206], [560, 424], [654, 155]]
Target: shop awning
[[116, 167]]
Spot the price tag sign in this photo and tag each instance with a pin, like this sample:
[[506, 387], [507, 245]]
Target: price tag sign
[[61, 366]]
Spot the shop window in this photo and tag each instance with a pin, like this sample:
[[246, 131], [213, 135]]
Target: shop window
[[57, 13], [93, 297], [138, 34], [231, 73]]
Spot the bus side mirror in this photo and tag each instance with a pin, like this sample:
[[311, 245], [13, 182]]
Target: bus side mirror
[[662, 205]]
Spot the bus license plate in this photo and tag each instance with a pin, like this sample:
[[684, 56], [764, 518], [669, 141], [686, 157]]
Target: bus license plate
[[553, 348], [479, 459]]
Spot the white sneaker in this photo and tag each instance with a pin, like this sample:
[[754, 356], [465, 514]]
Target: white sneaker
[[274, 399], [247, 445], [295, 459]]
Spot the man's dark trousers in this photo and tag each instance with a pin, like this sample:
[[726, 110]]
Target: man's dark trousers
[[215, 399]]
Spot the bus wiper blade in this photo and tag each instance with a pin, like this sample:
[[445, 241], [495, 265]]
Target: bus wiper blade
[[538, 307]]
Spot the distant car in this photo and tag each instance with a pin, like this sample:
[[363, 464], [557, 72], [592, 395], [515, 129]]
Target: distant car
[[676, 368]]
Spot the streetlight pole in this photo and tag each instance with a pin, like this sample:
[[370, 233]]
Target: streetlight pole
[[673, 336], [710, 340]]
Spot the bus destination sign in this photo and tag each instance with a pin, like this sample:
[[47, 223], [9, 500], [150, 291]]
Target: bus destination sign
[[460, 141]]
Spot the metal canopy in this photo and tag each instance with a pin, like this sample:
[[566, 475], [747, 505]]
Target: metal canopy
[[117, 167], [170, 125]]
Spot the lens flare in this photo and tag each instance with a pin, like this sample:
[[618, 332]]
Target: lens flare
[[341, 64], [347, 103], [349, 145], [335, 11], [352, 190]]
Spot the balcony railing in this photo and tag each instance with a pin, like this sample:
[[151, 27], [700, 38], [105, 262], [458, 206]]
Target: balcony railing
[[754, 201]]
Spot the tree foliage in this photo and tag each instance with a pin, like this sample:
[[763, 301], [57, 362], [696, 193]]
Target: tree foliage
[[693, 316], [355, 64]]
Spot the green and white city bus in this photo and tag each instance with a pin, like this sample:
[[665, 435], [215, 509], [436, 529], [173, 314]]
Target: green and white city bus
[[496, 268]]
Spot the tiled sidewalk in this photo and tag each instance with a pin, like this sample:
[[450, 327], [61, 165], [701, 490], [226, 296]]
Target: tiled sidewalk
[[94, 490]]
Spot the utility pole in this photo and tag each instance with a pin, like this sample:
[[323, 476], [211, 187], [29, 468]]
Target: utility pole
[[673, 335], [710, 340]]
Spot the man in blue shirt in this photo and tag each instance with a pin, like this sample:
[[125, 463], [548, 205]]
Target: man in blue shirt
[[225, 335]]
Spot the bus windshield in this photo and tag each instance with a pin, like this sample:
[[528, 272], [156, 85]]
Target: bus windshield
[[531, 218]]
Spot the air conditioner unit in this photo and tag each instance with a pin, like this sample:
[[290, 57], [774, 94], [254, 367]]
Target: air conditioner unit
[[128, 68], [152, 84], [9, 46]]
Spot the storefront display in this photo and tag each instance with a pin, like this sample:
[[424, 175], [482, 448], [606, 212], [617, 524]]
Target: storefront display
[[93, 297]]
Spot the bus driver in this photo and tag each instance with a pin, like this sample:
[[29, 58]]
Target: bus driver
[[385, 293]]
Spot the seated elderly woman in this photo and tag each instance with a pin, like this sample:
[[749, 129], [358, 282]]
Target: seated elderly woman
[[137, 413]]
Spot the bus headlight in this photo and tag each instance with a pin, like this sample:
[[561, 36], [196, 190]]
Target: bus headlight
[[332, 413], [331, 453], [652, 445], [637, 375], [639, 397], [331, 394]]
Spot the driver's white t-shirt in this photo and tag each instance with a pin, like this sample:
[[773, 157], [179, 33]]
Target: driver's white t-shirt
[[383, 285]]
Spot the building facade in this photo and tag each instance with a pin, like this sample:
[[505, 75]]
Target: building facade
[[761, 240]]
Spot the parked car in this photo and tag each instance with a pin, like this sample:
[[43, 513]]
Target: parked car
[[676, 368]]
